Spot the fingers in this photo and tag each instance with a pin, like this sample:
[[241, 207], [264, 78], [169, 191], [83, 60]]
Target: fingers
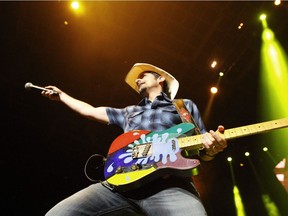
[[50, 92], [207, 140], [220, 143], [53, 88], [214, 142]]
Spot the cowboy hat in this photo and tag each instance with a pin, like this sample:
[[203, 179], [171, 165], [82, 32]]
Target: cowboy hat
[[138, 68]]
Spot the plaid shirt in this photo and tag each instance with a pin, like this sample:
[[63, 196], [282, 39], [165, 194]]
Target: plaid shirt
[[158, 115]]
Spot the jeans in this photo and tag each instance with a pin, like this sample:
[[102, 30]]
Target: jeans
[[99, 200]]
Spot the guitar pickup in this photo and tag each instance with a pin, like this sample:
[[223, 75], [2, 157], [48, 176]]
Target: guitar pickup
[[142, 150]]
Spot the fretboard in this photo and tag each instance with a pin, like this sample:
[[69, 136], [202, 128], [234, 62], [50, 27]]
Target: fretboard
[[196, 140]]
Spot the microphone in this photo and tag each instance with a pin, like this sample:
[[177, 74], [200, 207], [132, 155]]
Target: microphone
[[29, 86]]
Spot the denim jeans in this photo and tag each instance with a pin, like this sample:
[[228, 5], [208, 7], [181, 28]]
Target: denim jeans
[[99, 200]]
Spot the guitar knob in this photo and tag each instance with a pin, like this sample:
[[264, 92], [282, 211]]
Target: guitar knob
[[134, 167], [119, 170]]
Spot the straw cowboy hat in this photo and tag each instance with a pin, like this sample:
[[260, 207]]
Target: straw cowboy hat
[[138, 68]]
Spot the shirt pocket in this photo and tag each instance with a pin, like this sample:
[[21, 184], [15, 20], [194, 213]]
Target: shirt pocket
[[134, 119], [170, 116]]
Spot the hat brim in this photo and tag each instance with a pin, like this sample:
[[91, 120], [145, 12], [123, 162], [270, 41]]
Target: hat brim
[[138, 68]]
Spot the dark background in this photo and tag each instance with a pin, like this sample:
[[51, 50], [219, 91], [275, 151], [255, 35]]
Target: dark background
[[45, 145]]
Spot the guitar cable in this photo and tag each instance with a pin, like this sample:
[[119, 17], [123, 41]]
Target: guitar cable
[[97, 167]]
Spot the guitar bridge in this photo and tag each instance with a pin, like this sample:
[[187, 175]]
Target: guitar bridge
[[142, 150]]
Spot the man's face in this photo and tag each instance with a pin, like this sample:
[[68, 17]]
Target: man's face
[[146, 81]]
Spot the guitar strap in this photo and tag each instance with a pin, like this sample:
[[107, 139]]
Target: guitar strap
[[184, 114], [186, 117]]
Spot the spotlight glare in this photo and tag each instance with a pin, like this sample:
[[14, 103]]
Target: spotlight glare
[[214, 90], [247, 154], [238, 202], [265, 149], [263, 17], [221, 74], [267, 35], [240, 25], [229, 159], [75, 5], [277, 2], [214, 63]]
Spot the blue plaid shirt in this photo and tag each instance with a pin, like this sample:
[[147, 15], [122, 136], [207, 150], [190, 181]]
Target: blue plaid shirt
[[158, 115]]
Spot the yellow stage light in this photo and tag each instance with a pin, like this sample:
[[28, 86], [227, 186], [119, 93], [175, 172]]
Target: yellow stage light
[[273, 84], [75, 5], [263, 17], [238, 202]]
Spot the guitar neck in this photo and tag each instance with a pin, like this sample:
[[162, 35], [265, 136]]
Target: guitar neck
[[194, 142]]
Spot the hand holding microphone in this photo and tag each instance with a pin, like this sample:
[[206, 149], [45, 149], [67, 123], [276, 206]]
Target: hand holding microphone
[[50, 91]]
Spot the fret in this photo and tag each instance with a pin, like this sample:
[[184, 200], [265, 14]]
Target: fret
[[255, 128], [196, 140], [260, 127], [245, 130], [276, 124], [230, 133], [252, 129], [190, 141], [239, 131]]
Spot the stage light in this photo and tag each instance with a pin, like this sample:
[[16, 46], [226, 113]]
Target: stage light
[[265, 149], [221, 74], [277, 2], [247, 154], [214, 63], [263, 17], [267, 35], [270, 206], [273, 83], [239, 207], [214, 90], [78, 9], [240, 25], [238, 202], [75, 5]]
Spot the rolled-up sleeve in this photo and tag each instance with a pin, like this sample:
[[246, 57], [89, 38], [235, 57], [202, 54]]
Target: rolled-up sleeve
[[116, 116]]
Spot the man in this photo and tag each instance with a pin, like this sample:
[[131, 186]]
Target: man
[[166, 195]]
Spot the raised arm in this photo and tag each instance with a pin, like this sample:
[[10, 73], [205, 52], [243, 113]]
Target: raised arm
[[86, 110]]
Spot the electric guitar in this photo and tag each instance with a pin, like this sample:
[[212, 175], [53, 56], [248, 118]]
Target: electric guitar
[[138, 157]]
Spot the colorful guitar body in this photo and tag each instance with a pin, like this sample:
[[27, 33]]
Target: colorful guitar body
[[137, 157]]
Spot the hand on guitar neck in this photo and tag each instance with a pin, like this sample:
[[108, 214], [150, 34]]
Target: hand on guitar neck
[[214, 142]]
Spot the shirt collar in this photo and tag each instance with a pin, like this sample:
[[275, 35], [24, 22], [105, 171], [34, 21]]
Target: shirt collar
[[161, 97]]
